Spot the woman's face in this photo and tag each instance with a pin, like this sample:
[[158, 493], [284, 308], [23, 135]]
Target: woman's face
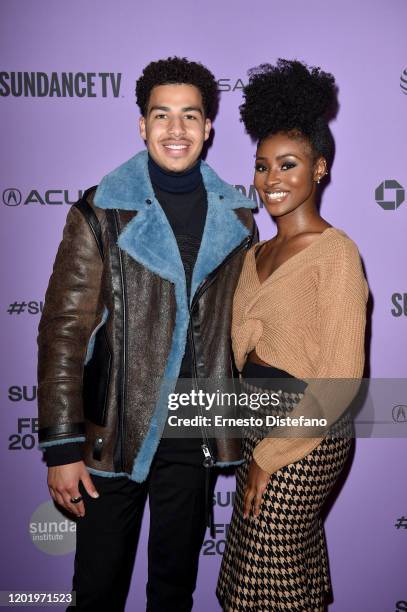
[[286, 173]]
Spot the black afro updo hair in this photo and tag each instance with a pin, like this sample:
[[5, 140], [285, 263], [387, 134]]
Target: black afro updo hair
[[293, 98], [178, 70]]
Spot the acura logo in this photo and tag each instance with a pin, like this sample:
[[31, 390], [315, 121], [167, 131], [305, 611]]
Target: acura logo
[[400, 413], [12, 197], [54, 197]]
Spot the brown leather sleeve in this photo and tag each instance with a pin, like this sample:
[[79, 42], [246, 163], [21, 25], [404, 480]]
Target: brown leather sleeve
[[71, 310]]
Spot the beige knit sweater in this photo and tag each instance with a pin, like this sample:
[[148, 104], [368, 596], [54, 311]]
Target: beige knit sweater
[[307, 318]]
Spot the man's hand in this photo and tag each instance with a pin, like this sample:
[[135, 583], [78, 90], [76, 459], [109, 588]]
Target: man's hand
[[63, 484], [257, 481]]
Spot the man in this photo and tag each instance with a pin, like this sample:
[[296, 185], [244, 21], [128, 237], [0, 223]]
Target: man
[[141, 295]]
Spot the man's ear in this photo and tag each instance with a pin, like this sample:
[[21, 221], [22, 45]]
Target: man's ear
[[142, 128], [208, 127]]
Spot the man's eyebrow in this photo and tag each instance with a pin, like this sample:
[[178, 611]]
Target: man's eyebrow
[[166, 109], [161, 108], [188, 109]]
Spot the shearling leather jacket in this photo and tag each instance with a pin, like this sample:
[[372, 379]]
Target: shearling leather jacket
[[113, 330]]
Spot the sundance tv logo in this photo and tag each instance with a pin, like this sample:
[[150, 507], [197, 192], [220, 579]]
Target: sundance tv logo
[[390, 194], [51, 531], [54, 197], [60, 84]]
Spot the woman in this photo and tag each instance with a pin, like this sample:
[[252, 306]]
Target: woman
[[299, 314]]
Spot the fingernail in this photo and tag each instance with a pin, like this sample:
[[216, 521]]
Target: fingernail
[[95, 494]]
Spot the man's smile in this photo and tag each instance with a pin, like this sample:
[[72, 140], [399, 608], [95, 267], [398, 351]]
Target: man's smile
[[176, 149]]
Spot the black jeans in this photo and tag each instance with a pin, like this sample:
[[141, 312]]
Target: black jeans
[[108, 534]]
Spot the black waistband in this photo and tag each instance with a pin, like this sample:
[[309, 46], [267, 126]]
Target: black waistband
[[268, 376]]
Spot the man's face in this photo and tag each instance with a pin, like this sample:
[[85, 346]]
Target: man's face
[[175, 127]]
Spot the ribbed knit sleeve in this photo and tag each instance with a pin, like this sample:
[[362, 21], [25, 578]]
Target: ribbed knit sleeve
[[245, 335], [341, 304]]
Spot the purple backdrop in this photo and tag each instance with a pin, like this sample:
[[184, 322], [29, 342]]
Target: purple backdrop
[[53, 146]]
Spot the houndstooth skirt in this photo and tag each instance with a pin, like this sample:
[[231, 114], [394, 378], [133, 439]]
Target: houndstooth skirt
[[278, 561]]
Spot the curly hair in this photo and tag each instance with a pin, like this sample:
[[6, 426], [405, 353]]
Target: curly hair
[[291, 97], [178, 70]]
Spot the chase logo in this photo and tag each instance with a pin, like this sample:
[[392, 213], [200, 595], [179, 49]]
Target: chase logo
[[12, 197], [399, 413], [403, 81], [393, 200]]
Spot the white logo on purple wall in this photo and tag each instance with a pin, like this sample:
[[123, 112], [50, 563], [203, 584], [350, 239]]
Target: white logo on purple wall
[[52, 532]]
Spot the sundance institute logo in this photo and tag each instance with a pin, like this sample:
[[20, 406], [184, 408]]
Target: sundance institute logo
[[51, 531], [390, 194]]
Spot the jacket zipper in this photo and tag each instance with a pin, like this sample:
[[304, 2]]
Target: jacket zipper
[[209, 461], [122, 405]]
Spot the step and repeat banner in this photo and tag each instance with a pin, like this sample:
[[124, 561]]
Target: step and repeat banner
[[68, 116]]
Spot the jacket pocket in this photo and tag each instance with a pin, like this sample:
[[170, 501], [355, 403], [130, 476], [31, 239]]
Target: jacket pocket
[[96, 374]]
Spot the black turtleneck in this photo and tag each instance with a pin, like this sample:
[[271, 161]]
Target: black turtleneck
[[182, 196], [175, 182]]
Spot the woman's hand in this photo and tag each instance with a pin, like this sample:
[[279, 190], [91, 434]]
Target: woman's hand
[[257, 481]]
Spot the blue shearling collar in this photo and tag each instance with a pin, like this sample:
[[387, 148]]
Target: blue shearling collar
[[128, 187]]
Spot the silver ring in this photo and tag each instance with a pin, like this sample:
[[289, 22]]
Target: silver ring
[[76, 500]]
